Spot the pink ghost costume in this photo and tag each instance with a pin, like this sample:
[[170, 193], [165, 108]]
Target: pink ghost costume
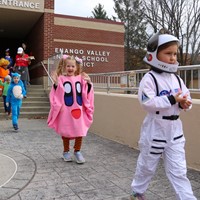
[[72, 107]]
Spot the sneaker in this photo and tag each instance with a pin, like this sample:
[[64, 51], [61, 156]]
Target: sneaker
[[67, 156], [15, 126], [79, 157], [137, 196]]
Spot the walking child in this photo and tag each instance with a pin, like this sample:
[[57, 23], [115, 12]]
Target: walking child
[[6, 85], [15, 94], [163, 95], [72, 107], [3, 72], [8, 57]]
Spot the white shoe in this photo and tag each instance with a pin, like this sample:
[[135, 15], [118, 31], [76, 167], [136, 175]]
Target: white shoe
[[79, 157], [67, 156]]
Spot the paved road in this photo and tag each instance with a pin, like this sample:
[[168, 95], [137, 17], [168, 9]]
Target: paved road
[[31, 167]]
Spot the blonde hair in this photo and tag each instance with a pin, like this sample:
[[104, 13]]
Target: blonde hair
[[63, 62], [4, 62]]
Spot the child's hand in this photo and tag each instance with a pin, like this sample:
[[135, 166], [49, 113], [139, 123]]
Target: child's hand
[[179, 98], [86, 77], [185, 104], [183, 100], [20, 96]]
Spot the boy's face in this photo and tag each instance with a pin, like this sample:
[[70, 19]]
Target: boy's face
[[169, 54], [70, 67], [16, 79], [8, 80]]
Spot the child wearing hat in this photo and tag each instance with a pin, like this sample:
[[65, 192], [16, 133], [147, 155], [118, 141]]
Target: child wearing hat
[[15, 94], [3, 71], [5, 85], [8, 57], [163, 95]]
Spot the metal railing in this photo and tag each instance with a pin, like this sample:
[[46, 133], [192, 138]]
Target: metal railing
[[128, 81]]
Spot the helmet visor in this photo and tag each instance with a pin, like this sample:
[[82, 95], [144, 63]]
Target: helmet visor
[[153, 41]]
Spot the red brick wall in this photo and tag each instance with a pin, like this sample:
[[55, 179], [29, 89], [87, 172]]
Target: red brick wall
[[49, 4], [113, 62], [48, 34], [43, 45]]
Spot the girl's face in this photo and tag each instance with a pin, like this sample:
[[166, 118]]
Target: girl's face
[[70, 68], [169, 54], [16, 79]]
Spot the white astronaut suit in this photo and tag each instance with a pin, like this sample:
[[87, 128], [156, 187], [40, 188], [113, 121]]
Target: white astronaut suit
[[162, 132]]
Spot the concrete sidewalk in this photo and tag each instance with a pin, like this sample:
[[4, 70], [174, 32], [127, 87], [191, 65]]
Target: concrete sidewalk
[[40, 172]]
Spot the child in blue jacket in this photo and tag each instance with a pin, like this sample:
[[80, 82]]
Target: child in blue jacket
[[15, 94]]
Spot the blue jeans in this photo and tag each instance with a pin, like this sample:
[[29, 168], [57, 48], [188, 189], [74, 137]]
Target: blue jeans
[[7, 109]]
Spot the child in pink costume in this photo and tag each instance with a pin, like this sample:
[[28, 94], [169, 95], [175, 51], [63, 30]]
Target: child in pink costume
[[72, 106]]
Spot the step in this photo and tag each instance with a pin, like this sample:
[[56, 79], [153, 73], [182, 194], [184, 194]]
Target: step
[[34, 86], [36, 94], [36, 105], [28, 108], [31, 98], [28, 115], [36, 98]]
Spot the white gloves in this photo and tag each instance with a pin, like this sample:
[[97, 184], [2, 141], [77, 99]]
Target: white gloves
[[20, 96], [7, 104]]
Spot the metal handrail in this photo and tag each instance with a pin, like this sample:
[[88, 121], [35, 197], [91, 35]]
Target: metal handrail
[[129, 80]]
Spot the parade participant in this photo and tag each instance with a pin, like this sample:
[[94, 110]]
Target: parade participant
[[3, 72], [22, 61], [15, 94], [163, 95], [72, 107], [8, 57], [6, 85]]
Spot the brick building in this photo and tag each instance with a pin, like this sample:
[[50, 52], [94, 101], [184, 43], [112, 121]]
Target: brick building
[[99, 42]]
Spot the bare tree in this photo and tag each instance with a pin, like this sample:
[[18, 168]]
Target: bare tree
[[182, 18], [130, 12]]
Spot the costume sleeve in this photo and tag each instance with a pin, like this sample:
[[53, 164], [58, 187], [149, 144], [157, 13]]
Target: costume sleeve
[[88, 99], [186, 92], [55, 105], [9, 92], [1, 83], [147, 95]]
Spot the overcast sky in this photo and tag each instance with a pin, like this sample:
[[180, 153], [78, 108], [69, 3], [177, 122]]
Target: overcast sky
[[83, 8]]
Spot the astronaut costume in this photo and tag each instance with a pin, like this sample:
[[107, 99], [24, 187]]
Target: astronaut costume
[[162, 131]]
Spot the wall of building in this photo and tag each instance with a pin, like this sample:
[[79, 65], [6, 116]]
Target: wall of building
[[119, 118], [100, 43]]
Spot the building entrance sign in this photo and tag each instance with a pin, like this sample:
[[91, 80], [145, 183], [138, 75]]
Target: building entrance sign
[[36, 5], [89, 56]]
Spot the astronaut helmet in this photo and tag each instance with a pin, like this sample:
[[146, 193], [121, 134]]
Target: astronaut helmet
[[160, 38]]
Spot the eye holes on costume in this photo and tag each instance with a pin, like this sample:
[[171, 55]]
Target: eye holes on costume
[[68, 96], [153, 41], [78, 93]]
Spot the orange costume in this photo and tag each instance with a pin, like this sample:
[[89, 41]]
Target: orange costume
[[3, 71]]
